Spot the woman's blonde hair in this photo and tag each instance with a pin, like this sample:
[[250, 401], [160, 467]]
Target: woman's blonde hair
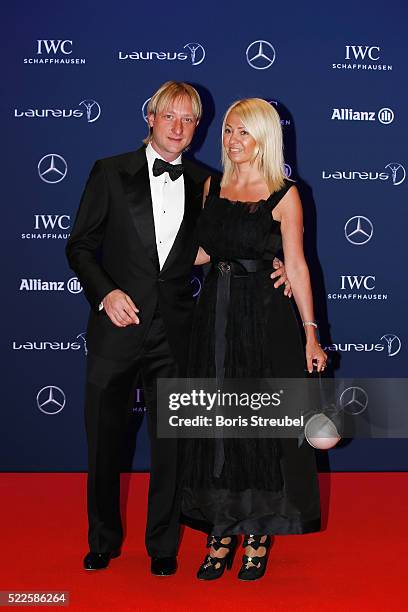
[[262, 121], [166, 94]]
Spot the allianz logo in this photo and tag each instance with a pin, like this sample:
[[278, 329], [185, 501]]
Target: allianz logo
[[395, 173], [90, 109], [37, 284], [389, 344], [384, 115], [51, 345]]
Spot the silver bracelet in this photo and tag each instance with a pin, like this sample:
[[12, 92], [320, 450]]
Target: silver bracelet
[[312, 323]]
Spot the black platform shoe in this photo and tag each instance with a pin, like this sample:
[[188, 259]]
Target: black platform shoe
[[254, 567], [213, 567]]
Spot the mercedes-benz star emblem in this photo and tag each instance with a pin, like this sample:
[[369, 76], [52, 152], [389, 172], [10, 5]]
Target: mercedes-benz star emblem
[[358, 230], [51, 399], [52, 168], [260, 54], [354, 400]]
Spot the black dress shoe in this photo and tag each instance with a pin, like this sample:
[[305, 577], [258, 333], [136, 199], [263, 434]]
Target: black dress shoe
[[163, 566], [97, 561]]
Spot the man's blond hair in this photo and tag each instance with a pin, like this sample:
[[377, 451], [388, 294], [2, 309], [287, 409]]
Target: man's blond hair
[[166, 94]]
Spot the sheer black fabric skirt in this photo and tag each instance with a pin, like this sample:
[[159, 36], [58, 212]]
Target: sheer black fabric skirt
[[266, 486]]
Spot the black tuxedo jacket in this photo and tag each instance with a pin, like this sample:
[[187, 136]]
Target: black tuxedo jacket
[[113, 246]]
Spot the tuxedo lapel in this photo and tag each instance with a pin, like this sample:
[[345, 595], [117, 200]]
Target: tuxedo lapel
[[136, 187], [192, 194]]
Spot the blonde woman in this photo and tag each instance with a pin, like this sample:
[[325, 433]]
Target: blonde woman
[[245, 328]]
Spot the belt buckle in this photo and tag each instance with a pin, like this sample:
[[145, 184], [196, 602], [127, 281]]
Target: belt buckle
[[224, 267]]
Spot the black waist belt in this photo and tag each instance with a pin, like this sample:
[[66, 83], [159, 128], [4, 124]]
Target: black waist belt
[[225, 269], [241, 267]]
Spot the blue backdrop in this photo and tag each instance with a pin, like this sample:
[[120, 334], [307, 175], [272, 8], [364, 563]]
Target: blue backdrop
[[76, 77]]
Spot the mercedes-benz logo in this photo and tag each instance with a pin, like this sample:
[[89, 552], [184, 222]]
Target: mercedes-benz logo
[[260, 54], [197, 52], [393, 344], [195, 281], [93, 110], [51, 399], [353, 400], [52, 168], [358, 230], [288, 170], [398, 173], [144, 108]]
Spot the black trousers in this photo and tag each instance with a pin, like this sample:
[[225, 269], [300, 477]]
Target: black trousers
[[109, 393]]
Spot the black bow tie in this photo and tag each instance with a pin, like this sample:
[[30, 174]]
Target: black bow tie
[[174, 170]]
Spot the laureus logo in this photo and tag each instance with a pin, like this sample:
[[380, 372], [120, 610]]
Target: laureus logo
[[90, 109], [389, 345], [392, 343], [93, 110], [82, 336], [395, 171], [197, 53], [398, 173], [192, 51]]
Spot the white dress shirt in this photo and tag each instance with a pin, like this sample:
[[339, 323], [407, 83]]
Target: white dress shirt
[[168, 205]]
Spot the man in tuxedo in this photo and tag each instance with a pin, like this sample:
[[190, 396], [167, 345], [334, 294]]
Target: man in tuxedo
[[132, 247]]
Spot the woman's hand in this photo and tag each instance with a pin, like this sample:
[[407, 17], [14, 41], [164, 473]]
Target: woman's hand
[[280, 274], [315, 355]]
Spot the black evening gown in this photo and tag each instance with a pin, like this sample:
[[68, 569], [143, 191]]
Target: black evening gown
[[262, 486]]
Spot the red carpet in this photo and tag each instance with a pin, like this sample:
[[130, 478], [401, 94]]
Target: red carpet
[[359, 561]]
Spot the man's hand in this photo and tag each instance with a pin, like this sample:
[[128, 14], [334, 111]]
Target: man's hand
[[120, 309], [280, 274]]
